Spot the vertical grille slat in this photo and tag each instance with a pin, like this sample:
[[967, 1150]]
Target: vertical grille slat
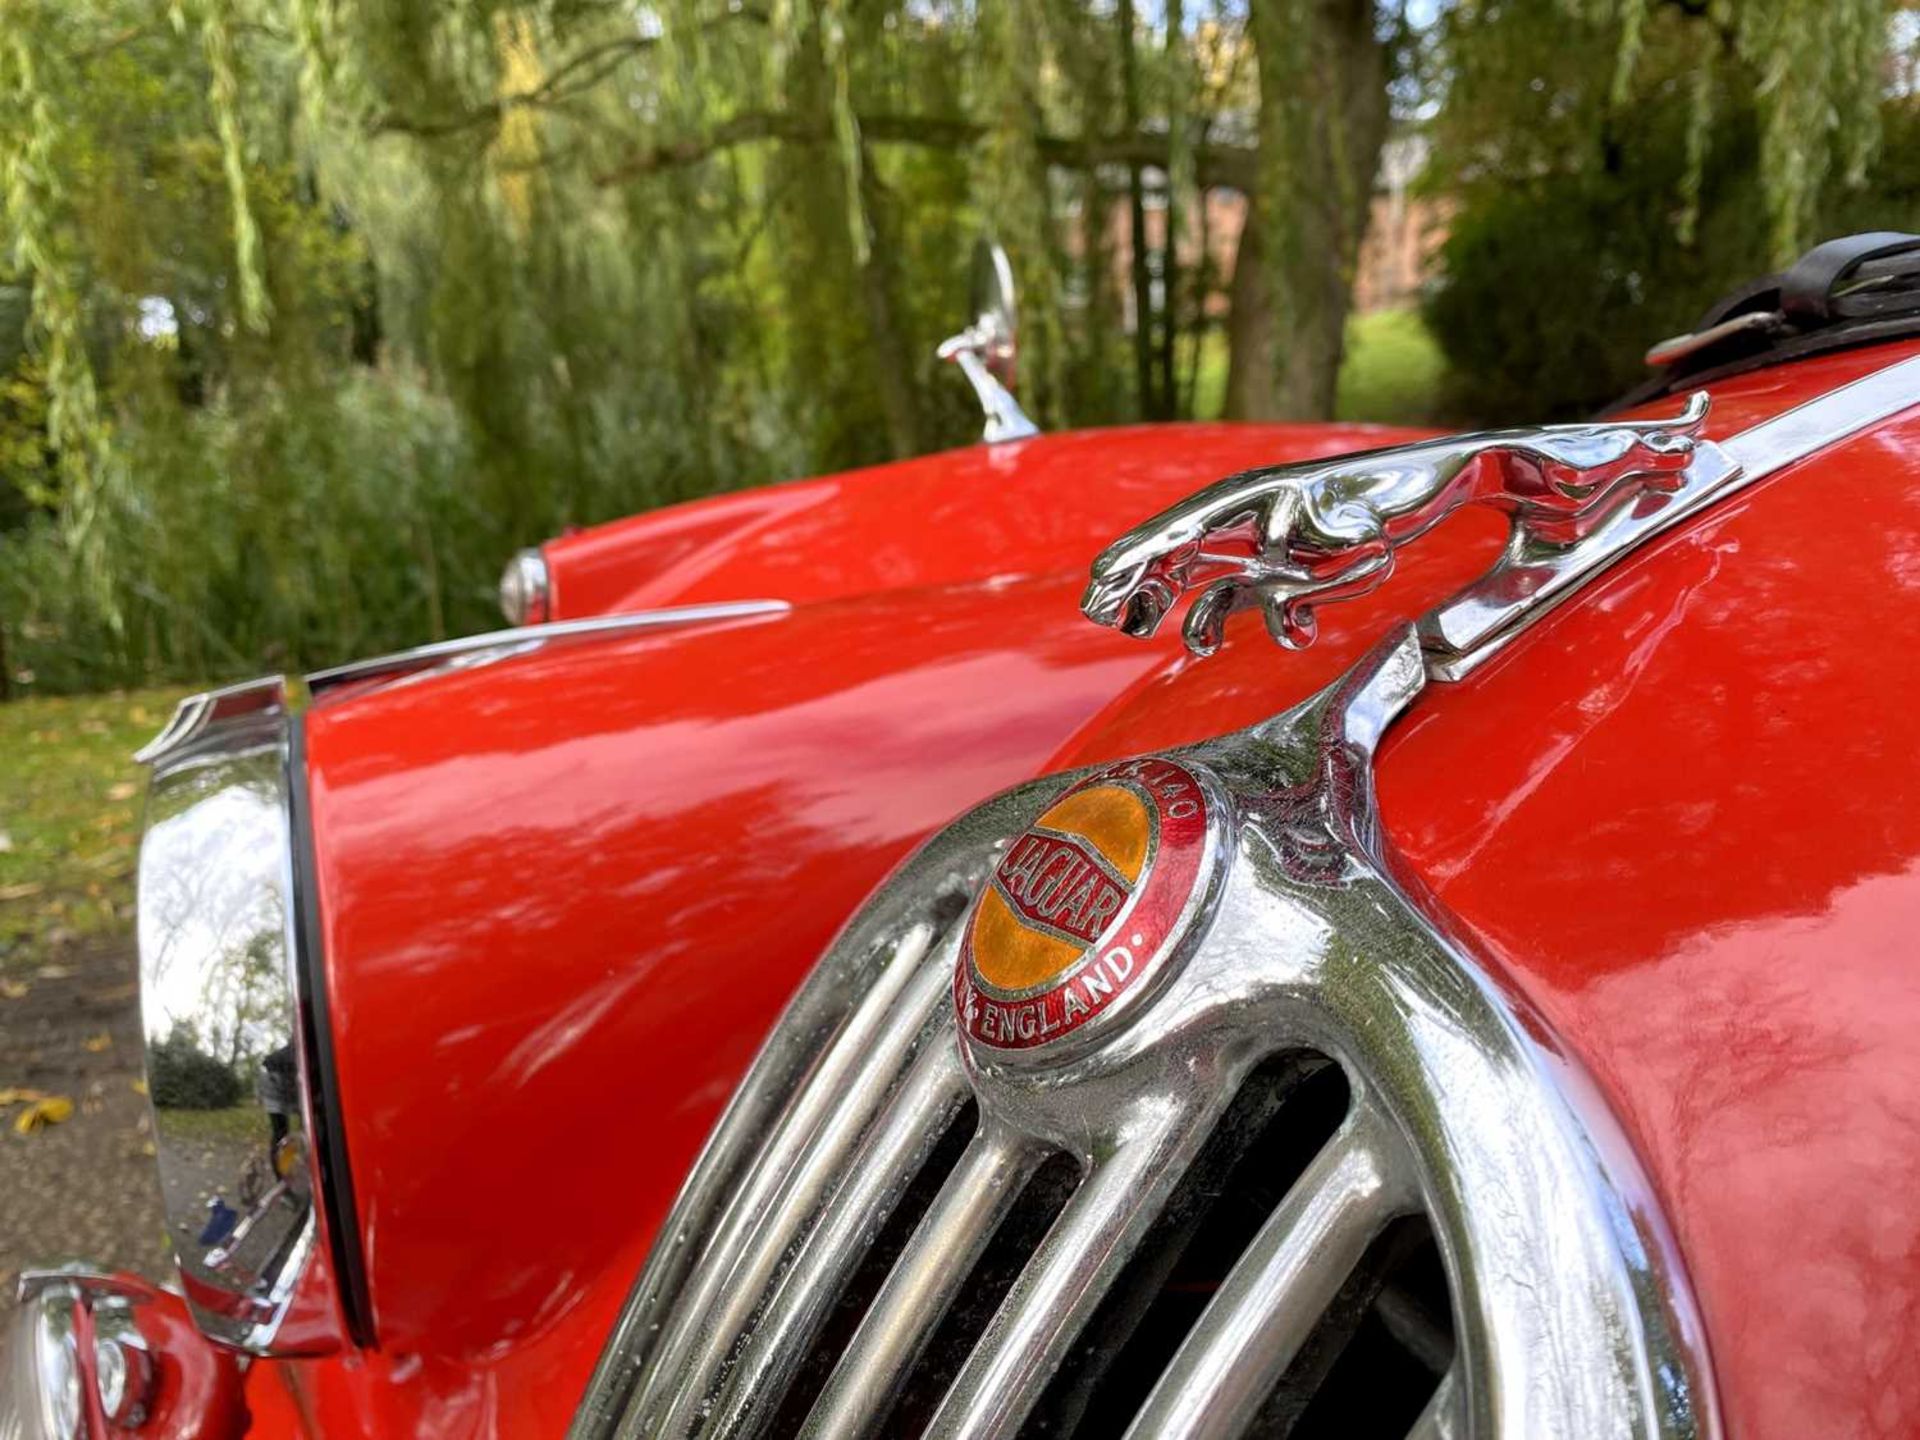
[[1090, 1242], [757, 1138], [808, 1155], [1308, 1173], [1445, 1417], [826, 1257], [1274, 1296], [915, 1297]]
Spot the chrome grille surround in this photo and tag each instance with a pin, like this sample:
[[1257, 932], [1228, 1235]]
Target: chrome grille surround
[[1571, 1313]]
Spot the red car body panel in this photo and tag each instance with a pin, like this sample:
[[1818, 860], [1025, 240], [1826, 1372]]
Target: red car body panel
[[1044, 506], [565, 894]]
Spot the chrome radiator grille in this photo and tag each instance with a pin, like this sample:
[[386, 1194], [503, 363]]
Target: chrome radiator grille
[[1181, 1229]]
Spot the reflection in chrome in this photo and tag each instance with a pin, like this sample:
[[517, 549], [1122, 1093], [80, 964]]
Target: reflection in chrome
[[43, 1374], [1571, 1315], [1293, 536], [987, 350], [219, 1012], [1581, 496], [526, 588], [40, 1382]]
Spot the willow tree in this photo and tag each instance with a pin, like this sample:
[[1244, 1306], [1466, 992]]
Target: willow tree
[[331, 303], [1613, 166]]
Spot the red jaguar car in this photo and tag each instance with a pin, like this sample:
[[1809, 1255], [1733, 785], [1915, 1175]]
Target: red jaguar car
[[829, 971]]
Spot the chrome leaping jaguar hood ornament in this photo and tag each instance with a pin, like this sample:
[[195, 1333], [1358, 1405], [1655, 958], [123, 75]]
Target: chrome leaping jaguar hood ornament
[[1580, 497], [1288, 537]]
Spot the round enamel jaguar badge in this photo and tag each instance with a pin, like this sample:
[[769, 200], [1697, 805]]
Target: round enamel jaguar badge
[[1085, 906]]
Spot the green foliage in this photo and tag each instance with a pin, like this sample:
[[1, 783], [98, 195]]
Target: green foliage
[[182, 1076], [1393, 371], [326, 520], [1594, 218], [312, 311], [1812, 71]]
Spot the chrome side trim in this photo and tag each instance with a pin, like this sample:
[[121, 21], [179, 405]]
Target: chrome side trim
[[195, 713], [498, 644], [1572, 1314]]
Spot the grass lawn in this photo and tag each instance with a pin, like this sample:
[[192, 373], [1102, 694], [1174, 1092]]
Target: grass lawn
[[1392, 370], [1391, 373], [70, 799]]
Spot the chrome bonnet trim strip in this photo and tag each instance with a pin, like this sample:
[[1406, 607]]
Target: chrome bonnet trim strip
[[196, 713], [527, 637]]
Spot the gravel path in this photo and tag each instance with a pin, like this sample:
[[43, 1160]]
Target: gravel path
[[85, 1189]]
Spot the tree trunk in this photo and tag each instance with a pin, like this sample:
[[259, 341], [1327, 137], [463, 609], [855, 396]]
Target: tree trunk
[[1145, 352], [893, 358], [849, 353], [1323, 119], [1174, 56]]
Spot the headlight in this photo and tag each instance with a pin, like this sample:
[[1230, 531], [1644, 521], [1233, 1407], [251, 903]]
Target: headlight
[[221, 1007], [525, 589], [73, 1345]]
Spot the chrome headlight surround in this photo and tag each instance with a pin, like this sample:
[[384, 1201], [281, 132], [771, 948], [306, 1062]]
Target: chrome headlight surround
[[252, 1172], [73, 1355], [40, 1380]]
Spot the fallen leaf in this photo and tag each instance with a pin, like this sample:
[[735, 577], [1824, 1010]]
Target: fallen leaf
[[22, 891], [123, 791], [6, 842], [53, 972], [42, 1113], [96, 1043], [139, 1087], [14, 989], [14, 1095]]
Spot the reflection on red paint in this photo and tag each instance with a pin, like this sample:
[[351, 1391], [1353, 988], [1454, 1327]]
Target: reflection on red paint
[[565, 894]]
